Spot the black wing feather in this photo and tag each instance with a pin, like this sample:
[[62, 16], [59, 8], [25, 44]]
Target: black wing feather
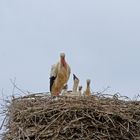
[[74, 77], [51, 82]]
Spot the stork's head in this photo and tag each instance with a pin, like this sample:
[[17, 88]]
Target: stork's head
[[80, 88], [88, 82], [62, 55], [74, 77], [65, 87], [62, 59], [75, 80]]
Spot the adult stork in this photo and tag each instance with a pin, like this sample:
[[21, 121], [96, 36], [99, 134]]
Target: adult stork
[[59, 76]]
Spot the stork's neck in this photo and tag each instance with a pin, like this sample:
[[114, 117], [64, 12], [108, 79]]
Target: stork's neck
[[63, 62], [75, 85], [88, 84]]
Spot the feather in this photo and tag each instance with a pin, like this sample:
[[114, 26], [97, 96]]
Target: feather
[[51, 82]]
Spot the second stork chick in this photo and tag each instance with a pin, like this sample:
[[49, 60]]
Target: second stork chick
[[74, 91], [75, 83], [75, 86]]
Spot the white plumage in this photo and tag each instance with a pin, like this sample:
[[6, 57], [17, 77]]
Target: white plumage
[[74, 92]]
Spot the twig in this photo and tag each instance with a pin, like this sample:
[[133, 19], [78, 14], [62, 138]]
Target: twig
[[15, 86], [3, 122]]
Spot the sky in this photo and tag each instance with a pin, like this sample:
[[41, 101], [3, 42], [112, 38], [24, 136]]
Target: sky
[[101, 40]]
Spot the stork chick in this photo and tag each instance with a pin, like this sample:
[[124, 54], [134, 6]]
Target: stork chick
[[87, 91], [75, 86], [59, 76], [75, 83], [80, 90], [65, 90], [74, 91]]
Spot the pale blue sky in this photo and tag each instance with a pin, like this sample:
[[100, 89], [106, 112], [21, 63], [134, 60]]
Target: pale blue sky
[[101, 40]]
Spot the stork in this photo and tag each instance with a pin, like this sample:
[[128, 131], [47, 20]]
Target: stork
[[59, 76], [87, 91], [75, 83], [74, 92], [67, 92]]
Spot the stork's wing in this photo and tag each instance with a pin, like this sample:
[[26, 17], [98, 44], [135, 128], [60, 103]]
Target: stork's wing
[[68, 72], [51, 82], [53, 70], [53, 75]]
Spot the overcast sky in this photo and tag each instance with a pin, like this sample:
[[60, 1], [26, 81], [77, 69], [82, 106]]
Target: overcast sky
[[101, 39]]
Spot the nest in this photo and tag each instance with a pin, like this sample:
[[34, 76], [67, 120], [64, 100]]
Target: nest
[[38, 117]]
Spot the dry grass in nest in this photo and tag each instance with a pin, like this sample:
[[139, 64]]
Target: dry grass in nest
[[38, 117]]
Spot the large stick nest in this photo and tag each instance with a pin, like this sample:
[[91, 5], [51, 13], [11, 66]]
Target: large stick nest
[[38, 117]]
